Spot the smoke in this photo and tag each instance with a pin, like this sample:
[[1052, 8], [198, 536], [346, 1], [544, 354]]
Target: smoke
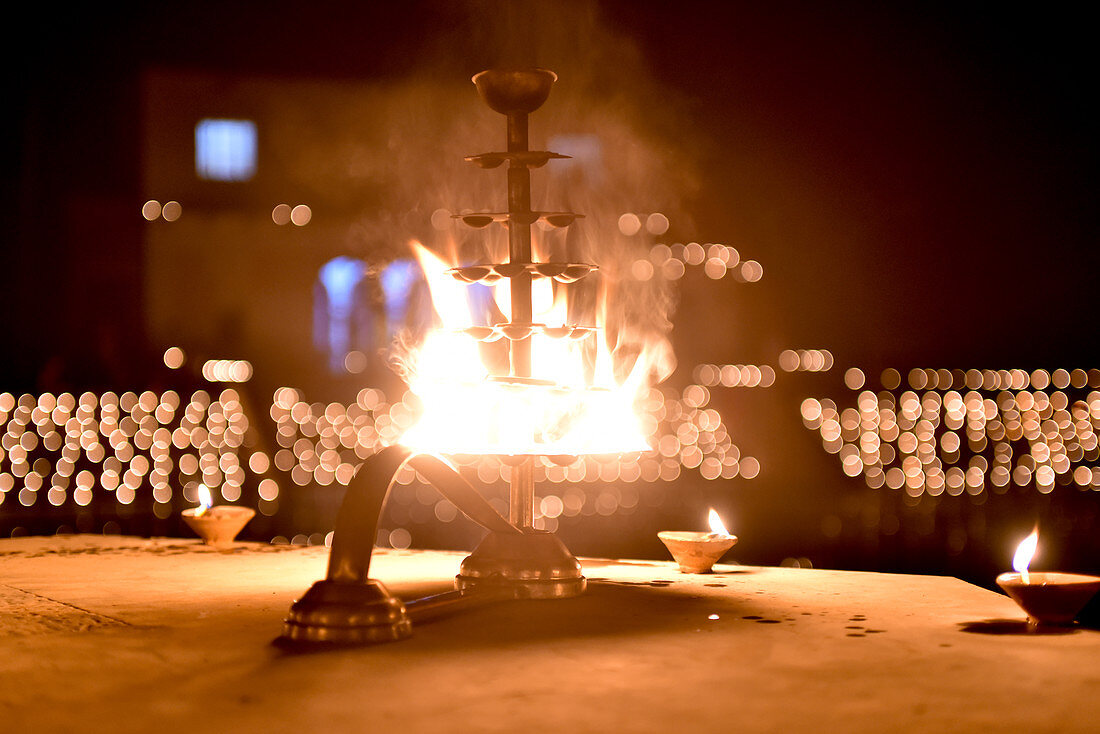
[[605, 111]]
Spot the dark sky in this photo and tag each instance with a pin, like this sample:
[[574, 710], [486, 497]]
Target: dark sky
[[918, 180], [922, 180]]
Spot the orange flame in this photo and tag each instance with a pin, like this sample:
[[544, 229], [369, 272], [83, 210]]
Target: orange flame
[[579, 400], [716, 525], [205, 500], [1025, 551]]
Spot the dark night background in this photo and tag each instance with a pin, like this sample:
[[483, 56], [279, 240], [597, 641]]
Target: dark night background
[[918, 180]]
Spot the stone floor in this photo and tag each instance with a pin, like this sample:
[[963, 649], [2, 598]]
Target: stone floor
[[113, 634]]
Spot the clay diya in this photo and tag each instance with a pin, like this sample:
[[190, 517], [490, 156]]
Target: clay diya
[[1048, 598], [697, 552], [216, 525]]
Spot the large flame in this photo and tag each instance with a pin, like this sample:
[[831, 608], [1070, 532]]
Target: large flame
[[578, 400], [1025, 551]]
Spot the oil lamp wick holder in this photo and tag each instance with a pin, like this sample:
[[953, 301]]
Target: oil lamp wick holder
[[514, 561]]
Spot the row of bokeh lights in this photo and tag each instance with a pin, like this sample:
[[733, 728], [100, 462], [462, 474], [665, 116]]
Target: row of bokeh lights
[[213, 370], [68, 448], [948, 441], [974, 379], [281, 214], [67, 445], [716, 260], [972, 431]]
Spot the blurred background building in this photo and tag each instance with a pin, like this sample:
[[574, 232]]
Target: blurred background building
[[877, 227]]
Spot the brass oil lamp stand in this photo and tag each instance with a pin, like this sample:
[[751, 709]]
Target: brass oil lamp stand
[[532, 564], [514, 561]]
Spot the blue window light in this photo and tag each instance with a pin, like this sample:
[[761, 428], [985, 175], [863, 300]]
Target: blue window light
[[225, 150]]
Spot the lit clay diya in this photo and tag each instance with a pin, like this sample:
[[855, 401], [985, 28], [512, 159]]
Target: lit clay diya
[[217, 526], [1048, 597], [697, 552]]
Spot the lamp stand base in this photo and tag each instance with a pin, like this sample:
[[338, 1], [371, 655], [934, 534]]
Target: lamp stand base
[[347, 613], [534, 565]]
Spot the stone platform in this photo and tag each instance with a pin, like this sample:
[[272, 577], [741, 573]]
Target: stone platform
[[113, 634]]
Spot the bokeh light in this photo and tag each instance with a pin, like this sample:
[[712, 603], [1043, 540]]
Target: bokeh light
[[964, 432]]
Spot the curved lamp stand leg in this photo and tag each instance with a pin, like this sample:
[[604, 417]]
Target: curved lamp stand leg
[[350, 607], [347, 606]]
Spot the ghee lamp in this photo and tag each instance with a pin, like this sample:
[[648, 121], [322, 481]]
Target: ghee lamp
[[217, 526], [697, 552], [1048, 597]]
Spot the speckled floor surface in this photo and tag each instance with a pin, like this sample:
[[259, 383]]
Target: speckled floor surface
[[111, 634]]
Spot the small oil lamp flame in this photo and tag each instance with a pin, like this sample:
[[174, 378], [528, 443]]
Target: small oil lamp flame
[[205, 501], [1025, 551], [716, 526]]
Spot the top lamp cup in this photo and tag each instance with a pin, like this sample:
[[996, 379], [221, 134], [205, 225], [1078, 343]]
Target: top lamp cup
[[510, 91]]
